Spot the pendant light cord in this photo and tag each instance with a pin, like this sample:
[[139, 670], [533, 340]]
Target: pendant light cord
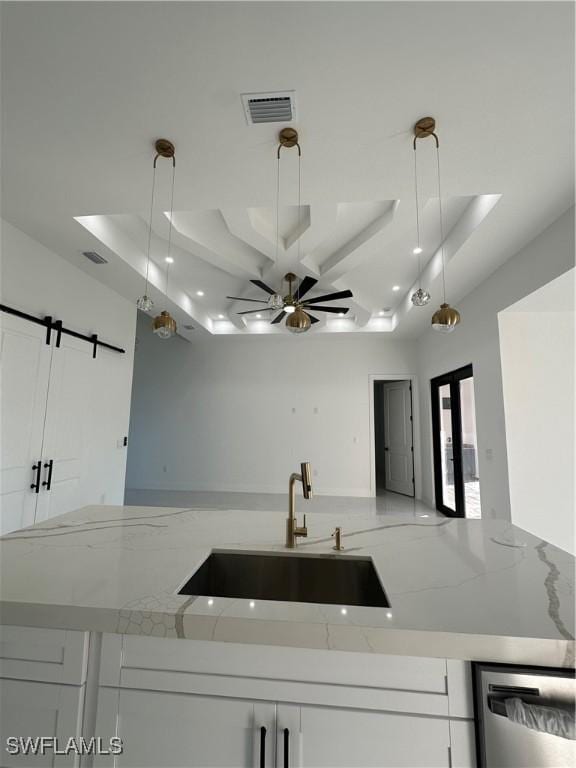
[[150, 226], [299, 200], [277, 206], [417, 216], [441, 222], [170, 221]]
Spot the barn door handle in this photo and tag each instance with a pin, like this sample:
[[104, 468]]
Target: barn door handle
[[36, 468], [48, 482]]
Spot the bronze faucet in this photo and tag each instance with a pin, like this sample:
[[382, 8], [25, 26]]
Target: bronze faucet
[[292, 529]]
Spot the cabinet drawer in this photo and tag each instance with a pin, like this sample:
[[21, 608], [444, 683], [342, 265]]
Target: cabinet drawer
[[406, 673], [325, 678], [45, 655]]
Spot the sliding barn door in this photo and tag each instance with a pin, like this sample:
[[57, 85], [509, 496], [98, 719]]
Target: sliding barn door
[[25, 364], [67, 434]]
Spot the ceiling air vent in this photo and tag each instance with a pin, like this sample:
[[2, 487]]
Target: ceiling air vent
[[95, 257], [278, 107]]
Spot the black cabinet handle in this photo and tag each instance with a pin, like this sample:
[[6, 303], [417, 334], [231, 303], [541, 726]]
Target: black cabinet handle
[[286, 747], [36, 468], [48, 483], [262, 747]]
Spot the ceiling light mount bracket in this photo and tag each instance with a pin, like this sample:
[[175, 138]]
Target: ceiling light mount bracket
[[425, 127], [165, 148], [288, 138]]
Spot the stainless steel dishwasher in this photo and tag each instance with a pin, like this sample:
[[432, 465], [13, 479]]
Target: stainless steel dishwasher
[[524, 716]]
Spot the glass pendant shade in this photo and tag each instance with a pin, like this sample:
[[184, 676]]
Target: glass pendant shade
[[298, 321], [164, 325], [276, 301], [445, 319], [145, 303], [420, 297]]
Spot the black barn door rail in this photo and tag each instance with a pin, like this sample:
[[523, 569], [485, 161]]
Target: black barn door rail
[[56, 325]]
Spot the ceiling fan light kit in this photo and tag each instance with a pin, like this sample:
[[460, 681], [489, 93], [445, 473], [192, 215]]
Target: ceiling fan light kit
[[292, 307]]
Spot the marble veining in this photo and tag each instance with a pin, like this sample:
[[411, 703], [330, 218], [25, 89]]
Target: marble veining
[[458, 588]]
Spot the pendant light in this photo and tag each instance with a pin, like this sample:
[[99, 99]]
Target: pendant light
[[446, 318], [164, 325], [420, 297]]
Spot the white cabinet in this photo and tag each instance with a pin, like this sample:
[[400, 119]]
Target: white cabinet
[[328, 737], [183, 703], [31, 710], [63, 413], [174, 730]]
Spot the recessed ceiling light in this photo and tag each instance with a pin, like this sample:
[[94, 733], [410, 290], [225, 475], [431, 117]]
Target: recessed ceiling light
[[259, 316], [417, 250], [169, 260], [340, 314], [395, 287], [343, 611], [220, 317], [289, 309], [382, 312], [199, 293]]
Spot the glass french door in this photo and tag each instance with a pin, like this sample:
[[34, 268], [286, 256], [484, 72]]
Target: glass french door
[[456, 476]]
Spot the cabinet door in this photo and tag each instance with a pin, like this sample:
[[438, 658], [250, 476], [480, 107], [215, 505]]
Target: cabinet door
[[25, 361], [68, 427], [39, 709], [184, 730], [326, 737]]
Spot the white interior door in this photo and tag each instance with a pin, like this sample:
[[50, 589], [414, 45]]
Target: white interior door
[[25, 361], [68, 429], [398, 437]]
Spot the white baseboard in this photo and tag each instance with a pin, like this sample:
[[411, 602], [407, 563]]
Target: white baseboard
[[223, 488]]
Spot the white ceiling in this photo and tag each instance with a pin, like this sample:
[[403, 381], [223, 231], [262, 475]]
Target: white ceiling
[[88, 87]]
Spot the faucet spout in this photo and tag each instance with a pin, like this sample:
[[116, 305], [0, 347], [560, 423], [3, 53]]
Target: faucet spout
[[293, 530]]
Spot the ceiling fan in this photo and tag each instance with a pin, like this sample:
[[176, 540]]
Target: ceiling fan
[[293, 306]]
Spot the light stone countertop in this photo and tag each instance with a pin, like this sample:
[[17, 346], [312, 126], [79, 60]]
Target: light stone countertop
[[466, 589]]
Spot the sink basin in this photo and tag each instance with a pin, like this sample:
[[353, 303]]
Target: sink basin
[[298, 578]]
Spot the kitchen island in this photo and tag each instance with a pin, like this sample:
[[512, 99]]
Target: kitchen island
[[93, 622]]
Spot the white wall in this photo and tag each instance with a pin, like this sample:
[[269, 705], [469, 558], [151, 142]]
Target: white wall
[[476, 341], [239, 413], [537, 349], [39, 282]]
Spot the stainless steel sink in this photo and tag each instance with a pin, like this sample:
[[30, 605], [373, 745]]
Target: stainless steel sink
[[302, 578]]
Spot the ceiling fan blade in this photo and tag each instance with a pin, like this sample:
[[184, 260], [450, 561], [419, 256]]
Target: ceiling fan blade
[[330, 297], [313, 319], [252, 311], [241, 298], [278, 318], [304, 287], [262, 285], [335, 310]]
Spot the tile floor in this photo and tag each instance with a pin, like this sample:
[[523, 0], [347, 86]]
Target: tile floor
[[385, 504]]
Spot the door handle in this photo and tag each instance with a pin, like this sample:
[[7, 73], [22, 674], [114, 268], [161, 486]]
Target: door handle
[[48, 482], [36, 468]]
